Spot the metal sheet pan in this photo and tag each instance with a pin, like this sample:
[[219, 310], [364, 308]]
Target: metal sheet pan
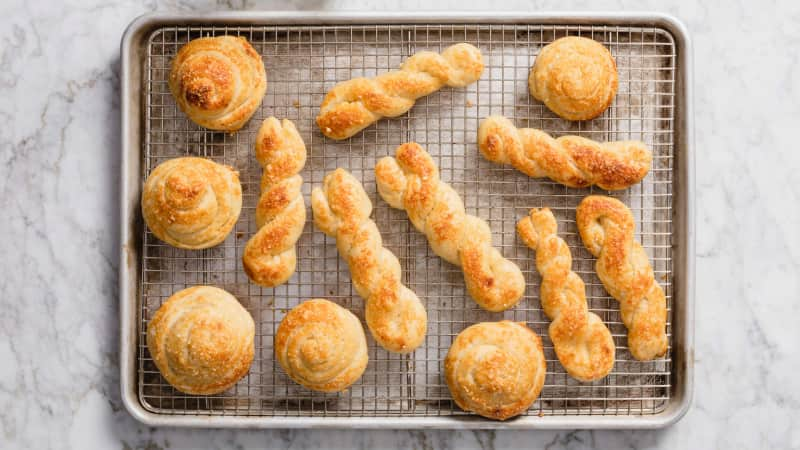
[[305, 55]]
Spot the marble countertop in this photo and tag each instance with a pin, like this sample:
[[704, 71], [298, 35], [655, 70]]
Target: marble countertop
[[59, 165]]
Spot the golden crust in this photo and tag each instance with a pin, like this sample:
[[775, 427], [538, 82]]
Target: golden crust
[[218, 82], [191, 203], [270, 257], [410, 181], [570, 160], [606, 227], [321, 346], [395, 316], [201, 340], [575, 77], [582, 342], [353, 105], [495, 369]]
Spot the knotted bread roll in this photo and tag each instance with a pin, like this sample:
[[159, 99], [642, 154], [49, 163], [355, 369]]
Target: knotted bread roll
[[355, 104], [270, 257], [191, 203], [218, 82], [582, 342], [394, 314], [569, 160], [495, 369], [575, 77], [410, 181], [201, 340], [606, 227], [321, 346]]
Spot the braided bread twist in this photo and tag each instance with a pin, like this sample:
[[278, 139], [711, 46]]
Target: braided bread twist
[[606, 227], [410, 181], [582, 342], [270, 257], [355, 104], [569, 160], [394, 314]]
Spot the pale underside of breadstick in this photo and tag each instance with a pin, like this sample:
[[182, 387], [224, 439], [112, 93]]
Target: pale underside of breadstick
[[353, 105], [573, 161], [410, 181], [394, 314]]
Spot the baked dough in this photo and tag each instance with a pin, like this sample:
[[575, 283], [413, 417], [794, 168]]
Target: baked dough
[[394, 313], [201, 340], [355, 104], [270, 257], [569, 160], [218, 82], [575, 77], [581, 340], [410, 181], [495, 369], [606, 227], [191, 203], [321, 346]]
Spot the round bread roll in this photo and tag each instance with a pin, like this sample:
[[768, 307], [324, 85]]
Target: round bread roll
[[575, 77], [201, 340], [191, 203], [218, 81], [495, 369], [321, 346]]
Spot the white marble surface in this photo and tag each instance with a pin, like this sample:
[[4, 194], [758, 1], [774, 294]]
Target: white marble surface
[[59, 147]]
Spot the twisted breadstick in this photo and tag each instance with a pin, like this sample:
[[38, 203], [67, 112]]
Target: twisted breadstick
[[355, 104], [606, 227], [569, 160], [410, 181], [270, 257], [582, 342], [394, 314]]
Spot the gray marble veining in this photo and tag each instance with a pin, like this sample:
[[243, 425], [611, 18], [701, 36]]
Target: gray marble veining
[[59, 164]]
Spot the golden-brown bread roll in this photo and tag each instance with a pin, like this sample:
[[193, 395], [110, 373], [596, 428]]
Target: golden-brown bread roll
[[410, 181], [581, 340], [495, 369], [201, 340], [321, 346], [575, 77], [270, 256], [569, 160], [606, 227], [394, 314], [218, 82], [355, 104], [191, 203]]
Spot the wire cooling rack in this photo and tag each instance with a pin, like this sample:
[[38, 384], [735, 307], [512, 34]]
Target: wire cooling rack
[[302, 63]]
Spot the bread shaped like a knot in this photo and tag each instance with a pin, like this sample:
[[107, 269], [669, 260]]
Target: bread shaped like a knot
[[321, 346], [218, 82], [191, 203], [495, 369]]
